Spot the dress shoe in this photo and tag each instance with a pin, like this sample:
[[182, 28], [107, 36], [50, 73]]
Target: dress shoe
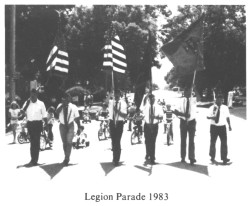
[[31, 164], [225, 161], [147, 157], [115, 163], [212, 160], [152, 162], [65, 162], [183, 160], [192, 161]]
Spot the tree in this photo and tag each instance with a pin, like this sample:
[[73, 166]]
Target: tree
[[87, 27], [224, 43]]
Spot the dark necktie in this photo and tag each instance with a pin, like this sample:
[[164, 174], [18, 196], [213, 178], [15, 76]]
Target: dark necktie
[[65, 115], [187, 107], [151, 114], [115, 110], [217, 115]]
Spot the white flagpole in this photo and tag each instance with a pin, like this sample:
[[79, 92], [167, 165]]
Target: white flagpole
[[194, 75]]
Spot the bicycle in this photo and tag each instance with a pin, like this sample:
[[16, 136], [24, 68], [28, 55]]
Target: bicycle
[[104, 130], [80, 139], [44, 139], [136, 137], [23, 136]]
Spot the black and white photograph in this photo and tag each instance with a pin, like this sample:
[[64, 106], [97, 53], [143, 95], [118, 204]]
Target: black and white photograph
[[125, 103]]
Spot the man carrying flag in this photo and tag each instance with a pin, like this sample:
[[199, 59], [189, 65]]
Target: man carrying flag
[[57, 65], [185, 53], [115, 61]]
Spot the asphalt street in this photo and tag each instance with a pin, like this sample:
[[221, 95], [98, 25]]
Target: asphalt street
[[91, 172]]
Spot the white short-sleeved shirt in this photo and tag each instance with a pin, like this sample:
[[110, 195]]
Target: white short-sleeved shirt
[[72, 113], [224, 114], [157, 111], [35, 111], [181, 107], [122, 107], [14, 114]]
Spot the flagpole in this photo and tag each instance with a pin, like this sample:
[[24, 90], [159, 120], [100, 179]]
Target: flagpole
[[150, 89], [194, 75], [113, 97]]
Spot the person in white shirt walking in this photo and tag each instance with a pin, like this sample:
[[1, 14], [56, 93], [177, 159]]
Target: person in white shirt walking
[[35, 112], [14, 114], [117, 114], [220, 117], [152, 113], [67, 113], [186, 111]]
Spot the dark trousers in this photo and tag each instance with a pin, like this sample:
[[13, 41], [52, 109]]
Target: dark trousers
[[130, 125], [151, 132], [67, 134], [220, 131], [187, 127], [116, 134], [34, 130]]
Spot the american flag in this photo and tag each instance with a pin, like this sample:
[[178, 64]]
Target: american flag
[[114, 56], [58, 60]]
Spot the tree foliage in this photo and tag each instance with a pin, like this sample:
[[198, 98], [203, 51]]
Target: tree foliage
[[224, 44], [88, 28]]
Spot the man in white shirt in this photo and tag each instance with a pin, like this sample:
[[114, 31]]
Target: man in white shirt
[[35, 112], [67, 114], [230, 99], [117, 114], [186, 111], [220, 117], [152, 113]]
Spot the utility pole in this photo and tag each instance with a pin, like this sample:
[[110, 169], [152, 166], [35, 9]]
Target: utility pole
[[13, 52]]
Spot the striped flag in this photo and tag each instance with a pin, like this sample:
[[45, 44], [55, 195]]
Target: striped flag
[[114, 56], [58, 60]]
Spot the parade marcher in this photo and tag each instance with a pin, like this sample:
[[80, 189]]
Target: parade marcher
[[35, 112], [67, 113], [50, 122], [168, 120], [220, 117], [117, 114], [14, 114], [152, 113], [186, 111]]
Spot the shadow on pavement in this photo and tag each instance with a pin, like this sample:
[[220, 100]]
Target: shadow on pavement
[[194, 168], [108, 167], [53, 169], [28, 165], [146, 169]]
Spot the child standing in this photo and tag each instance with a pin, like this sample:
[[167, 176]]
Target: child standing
[[168, 124], [14, 114], [50, 122]]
